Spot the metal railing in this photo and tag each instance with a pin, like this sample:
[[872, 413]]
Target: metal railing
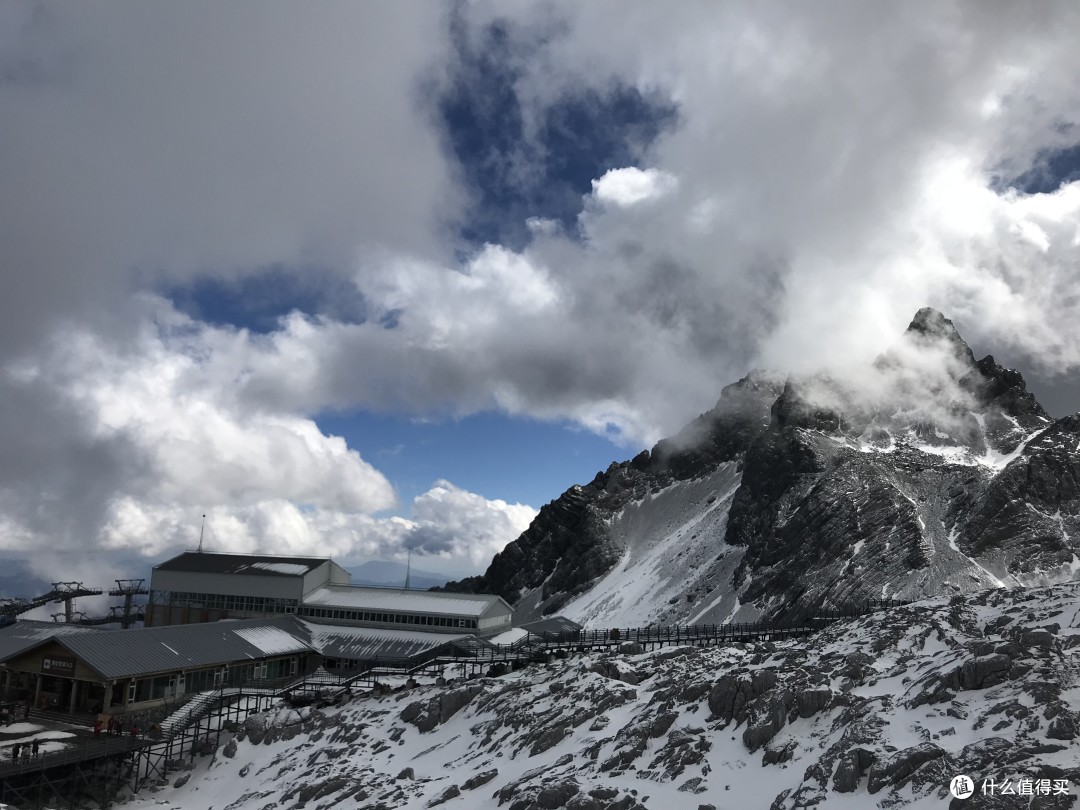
[[79, 752]]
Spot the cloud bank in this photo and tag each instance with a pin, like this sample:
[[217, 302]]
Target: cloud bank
[[830, 170]]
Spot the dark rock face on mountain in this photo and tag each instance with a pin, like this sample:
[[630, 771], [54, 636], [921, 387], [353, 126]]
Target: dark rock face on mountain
[[568, 546], [928, 474]]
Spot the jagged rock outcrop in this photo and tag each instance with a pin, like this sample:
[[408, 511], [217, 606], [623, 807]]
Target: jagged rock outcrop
[[931, 473]]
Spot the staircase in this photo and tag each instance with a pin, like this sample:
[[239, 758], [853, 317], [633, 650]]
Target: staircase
[[197, 707]]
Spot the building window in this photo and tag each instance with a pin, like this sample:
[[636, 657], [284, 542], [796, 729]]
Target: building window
[[231, 602]]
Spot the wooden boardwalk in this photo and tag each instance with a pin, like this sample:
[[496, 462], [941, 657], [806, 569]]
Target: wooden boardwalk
[[543, 646]]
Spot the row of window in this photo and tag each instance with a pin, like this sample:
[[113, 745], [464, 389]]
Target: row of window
[[166, 686], [386, 618], [215, 601]]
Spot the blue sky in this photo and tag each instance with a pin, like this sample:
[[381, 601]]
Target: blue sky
[[515, 459], [366, 279]]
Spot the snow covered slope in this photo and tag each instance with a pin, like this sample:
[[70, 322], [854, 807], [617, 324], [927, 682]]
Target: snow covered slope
[[670, 556], [878, 712]]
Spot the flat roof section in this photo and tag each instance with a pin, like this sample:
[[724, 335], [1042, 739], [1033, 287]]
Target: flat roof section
[[353, 597], [25, 634], [212, 562]]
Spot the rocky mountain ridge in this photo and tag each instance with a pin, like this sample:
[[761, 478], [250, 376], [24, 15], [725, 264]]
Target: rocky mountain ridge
[[927, 473]]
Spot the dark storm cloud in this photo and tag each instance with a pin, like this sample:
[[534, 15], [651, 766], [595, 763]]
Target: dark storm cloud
[[142, 143]]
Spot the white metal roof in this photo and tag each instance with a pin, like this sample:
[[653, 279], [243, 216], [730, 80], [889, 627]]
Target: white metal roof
[[271, 640], [511, 636], [352, 597], [293, 569]]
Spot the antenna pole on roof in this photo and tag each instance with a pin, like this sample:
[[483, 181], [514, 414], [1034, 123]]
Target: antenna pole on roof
[[201, 530], [408, 570]]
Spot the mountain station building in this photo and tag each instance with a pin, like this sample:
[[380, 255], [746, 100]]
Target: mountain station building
[[205, 587], [222, 619]]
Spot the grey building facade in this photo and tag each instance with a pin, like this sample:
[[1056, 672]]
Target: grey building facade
[[206, 586]]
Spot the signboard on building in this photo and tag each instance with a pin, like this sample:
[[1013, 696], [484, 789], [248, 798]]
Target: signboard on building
[[58, 666]]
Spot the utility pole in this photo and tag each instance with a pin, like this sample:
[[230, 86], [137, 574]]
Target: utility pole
[[129, 589]]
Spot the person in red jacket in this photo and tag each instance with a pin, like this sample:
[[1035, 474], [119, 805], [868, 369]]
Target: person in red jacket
[[97, 728]]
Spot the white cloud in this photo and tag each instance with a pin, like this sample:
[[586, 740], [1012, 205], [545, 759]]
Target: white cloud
[[450, 522], [631, 186], [170, 442], [461, 530], [833, 168]]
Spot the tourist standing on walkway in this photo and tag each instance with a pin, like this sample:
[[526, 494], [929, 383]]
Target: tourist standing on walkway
[[35, 748], [97, 728], [15, 752]]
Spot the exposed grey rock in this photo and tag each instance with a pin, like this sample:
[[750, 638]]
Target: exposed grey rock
[[1063, 727], [550, 738], [610, 669], [604, 793], [768, 719], [775, 755], [895, 768], [255, 728], [811, 701], [693, 785], [412, 711], [182, 780], [850, 770], [426, 715], [1040, 638], [556, 796], [482, 778], [446, 795], [730, 694], [407, 773], [985, 671], [600, 723], [229, 751], [661, 723]]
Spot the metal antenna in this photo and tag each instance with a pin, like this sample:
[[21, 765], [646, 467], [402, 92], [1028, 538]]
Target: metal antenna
[[201, 530], [408, 570]]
